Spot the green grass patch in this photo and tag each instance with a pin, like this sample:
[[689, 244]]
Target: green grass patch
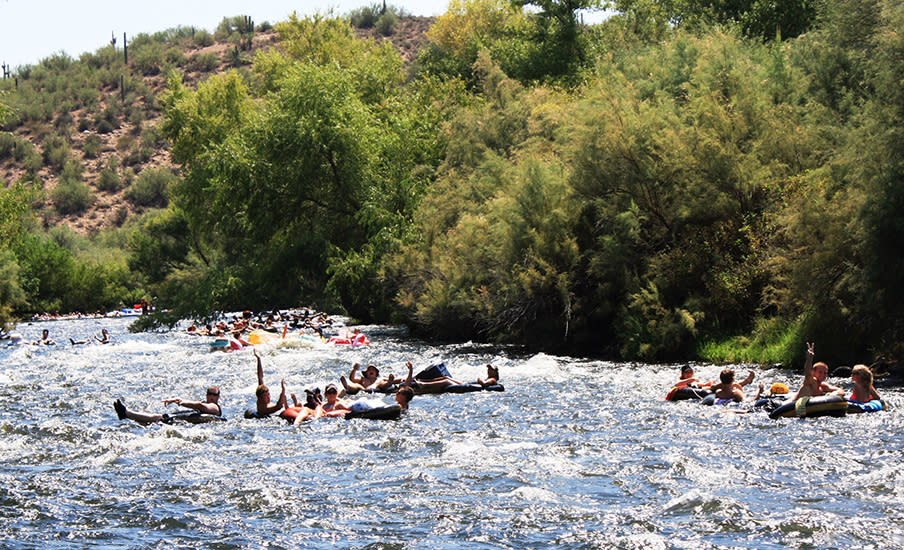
[[772, 341]]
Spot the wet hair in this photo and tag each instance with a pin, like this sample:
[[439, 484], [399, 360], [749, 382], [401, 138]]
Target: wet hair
[[726, 376], [686, 368], [313, 399], [822, 366], [261, 390], [376, 370], [493, 372], [407, 392], [864, 373]]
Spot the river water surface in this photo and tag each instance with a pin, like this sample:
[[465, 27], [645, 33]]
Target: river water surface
[[575, 453]]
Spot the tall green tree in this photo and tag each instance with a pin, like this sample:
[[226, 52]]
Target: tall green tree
[[14, 215], [296, 186]]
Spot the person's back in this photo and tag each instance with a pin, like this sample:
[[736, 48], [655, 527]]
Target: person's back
[[727, 391]]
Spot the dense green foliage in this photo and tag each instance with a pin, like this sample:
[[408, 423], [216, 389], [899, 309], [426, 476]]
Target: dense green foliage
[[684, 179]]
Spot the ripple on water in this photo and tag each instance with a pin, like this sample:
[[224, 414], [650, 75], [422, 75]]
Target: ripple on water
[[576, 453]]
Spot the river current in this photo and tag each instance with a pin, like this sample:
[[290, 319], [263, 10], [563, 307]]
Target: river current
[[576, 453]]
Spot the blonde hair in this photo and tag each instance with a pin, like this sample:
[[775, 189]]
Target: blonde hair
[[865, 374]]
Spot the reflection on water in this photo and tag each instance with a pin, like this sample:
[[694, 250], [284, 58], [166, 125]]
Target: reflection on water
[[576, 453]]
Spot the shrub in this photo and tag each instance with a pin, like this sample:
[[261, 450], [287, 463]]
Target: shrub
[[386, 25], [125, 142], [175, 56], [152, 138], [31, 160], [92, 146], [204, 62], [72, 171], [149, 59], [107, 120], [365, 17], [7, 145], [119, 216], [109, 180], [203, 38], [63, 121], [138, 155], [56, 152], [72, 197], [151, 188]]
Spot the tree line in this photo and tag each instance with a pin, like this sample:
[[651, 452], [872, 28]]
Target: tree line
[[674, 182]]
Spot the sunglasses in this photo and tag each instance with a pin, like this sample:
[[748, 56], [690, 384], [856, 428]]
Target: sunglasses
[[213, 393]]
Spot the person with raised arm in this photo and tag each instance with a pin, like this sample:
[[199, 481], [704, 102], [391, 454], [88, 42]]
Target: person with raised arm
[[264, 406], [814, 384]]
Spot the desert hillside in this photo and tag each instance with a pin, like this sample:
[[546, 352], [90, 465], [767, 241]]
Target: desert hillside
[[85, 130]]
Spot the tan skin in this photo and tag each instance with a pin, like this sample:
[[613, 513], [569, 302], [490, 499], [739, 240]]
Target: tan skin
[[264, 406], [404, 397], [333, 404], [210, 405], [368, 380], [726, 389], [332, 401], [863, 390], [686, 378], [814, 384]]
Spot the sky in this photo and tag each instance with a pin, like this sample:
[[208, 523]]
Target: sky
[[35, 29]]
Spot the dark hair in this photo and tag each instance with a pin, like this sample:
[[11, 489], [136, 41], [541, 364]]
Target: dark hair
[[726, 376], [313, 398], [407, 392]]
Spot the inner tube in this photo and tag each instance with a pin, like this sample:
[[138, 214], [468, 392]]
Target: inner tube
[[856, 407], [387, 412], [769, 403], [812, 407], [192, 418], [387, 390], [432, 372], [252, 413], [468, 388], [220, 344], [685, 393]]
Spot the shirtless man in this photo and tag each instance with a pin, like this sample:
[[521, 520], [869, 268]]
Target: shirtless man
[[726, 390], [264, 407], [210, 407], [45, 339], [815, 384]]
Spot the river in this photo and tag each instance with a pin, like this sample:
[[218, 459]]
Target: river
[[576, 453]]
